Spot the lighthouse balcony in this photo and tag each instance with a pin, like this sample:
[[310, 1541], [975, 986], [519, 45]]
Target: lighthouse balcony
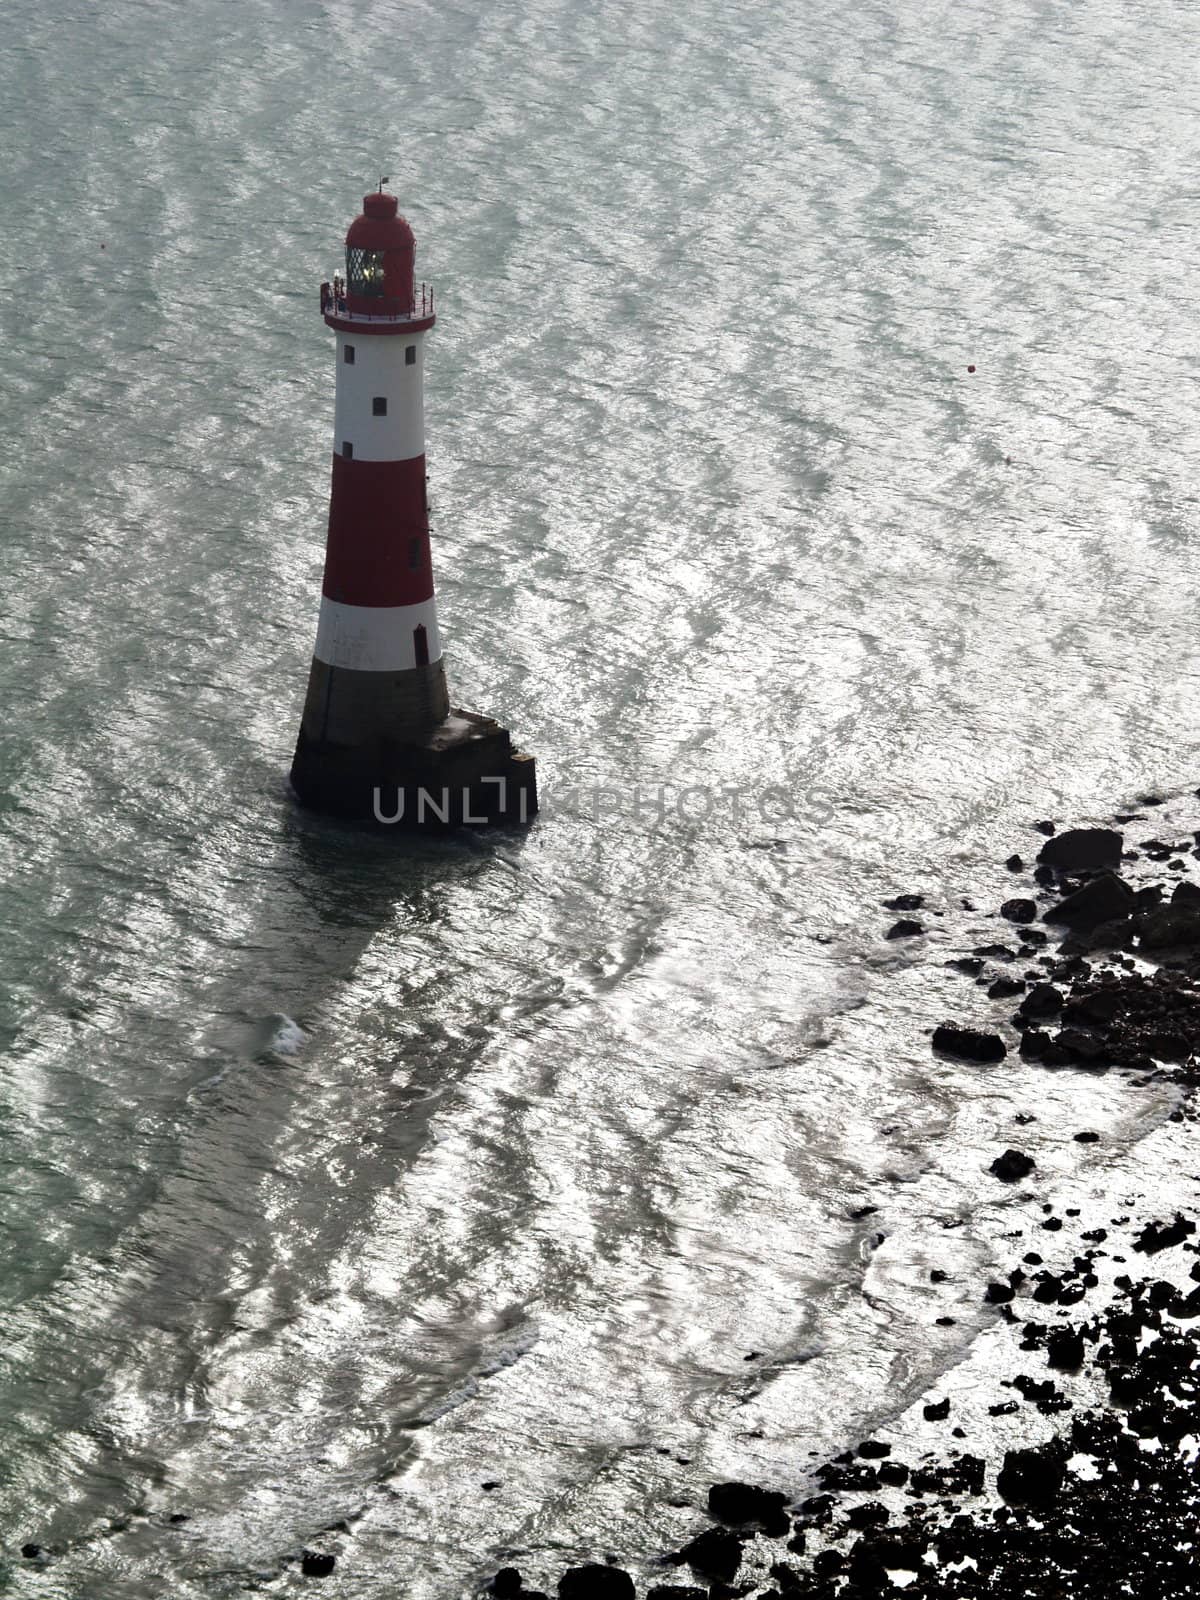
[[344, 311]]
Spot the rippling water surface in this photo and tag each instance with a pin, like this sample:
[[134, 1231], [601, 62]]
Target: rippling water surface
[[341, 1177]]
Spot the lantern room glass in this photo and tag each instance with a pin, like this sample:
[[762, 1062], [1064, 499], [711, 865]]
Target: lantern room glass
[[364, 272]]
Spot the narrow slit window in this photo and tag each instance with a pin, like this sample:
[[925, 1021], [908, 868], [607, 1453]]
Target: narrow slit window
[[410, 355], [347, 450], [379, 406], [348, 354], [415, 553]]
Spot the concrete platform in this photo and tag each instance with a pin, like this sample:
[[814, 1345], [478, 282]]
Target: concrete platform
[[465, 774]]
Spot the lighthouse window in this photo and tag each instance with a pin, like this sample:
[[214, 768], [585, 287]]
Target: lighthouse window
[[348, 450], [348, 357], [410, 356], [364, 271], [379, 406], [414, 553]]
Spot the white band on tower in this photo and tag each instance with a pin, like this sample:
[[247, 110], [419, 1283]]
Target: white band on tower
[[378, 638]]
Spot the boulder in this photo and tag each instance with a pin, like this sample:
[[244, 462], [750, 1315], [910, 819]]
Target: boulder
[[1015, 864], [1064, 1350], [316, 1564], [905, 902], [1018, 910], [596, 1582], [1032, 1477], [506, 1585], [1168, 925], [1082, 850], [1104, 899], [1042, 1000], [716, 1554], [1012, 1166], [906, 928], [969, 1044], [737, 1504], [937, 1410], [1185, 893]]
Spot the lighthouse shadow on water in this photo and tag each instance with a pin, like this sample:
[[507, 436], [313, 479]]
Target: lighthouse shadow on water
[[379, 739]]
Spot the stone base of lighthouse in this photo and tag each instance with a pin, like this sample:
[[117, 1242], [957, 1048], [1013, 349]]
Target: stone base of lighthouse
[[465, 773]]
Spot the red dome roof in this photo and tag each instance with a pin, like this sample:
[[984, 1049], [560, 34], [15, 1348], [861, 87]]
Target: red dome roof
[[380, 229]]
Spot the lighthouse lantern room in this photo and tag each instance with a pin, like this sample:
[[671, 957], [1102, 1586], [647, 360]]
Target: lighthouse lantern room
[[378, 738]]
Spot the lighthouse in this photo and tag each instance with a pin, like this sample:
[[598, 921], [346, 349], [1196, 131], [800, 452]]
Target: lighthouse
[[379, 739]]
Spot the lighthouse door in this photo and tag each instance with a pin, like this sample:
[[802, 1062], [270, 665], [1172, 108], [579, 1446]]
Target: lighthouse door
[[421, 646]]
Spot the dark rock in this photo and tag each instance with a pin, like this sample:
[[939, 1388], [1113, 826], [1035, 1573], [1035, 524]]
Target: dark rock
[[1046, 876], [506, 1584], [1185, 894], [31, 1551], [715, 1554], [1003, 988], [994, 952], [1032, 1477], [870, 1514], [1018, 910], [937, 1410], [1168, 926], [1082, 850], [1104, 899], [1064, 1350], [596, 1582], [997, 1294], [874, 1449], [676, 1591], [1015, 864], [178, 1517], [316, 1564], [971, 965], [736, 1504], [1045, 827], [906, 928], [1012, 1166], [894, 1473], [1155, 1236], [969, 1044], [905, 902], [1087, 1137], [1042, 1000]]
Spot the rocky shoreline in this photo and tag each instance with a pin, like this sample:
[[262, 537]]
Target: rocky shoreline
[[1097, 1316]]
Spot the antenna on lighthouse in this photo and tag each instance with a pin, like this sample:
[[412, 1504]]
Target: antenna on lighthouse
[[382, 181]]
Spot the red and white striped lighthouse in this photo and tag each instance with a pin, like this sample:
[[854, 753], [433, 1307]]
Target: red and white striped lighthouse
[[378, 737]]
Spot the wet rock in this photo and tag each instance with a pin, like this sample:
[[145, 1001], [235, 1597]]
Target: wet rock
[[997, 1294], [870, 1514], [316, 1564], [937, 1410], [1159, 1236], [847, 1475], [1003, 988], [31, 1551], [994, 952], [1032, 1477], [1064, 1350], [716, 1554], [1082, 849], [971, 965], [1045, 827], [1168, 926], [1018, 910], [874, 1449], [737, 1504], [968, 1044], [1087, 1137], [506, 1584], [676, 1591], [1012, 1166], [1185, 894], [1042, 1000], [1015, 864], [596, 1582], [1105, 899], [893, 1472], [906, 928], [905, 902]]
